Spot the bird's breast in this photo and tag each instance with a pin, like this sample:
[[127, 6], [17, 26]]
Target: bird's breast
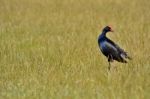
[[103, 45]]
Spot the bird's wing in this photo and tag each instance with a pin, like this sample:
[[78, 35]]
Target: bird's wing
[[122, 52], [108, 48], [116, 46]]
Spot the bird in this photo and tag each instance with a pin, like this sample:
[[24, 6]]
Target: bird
[[110, 49]]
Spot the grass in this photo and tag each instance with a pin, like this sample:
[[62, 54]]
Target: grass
[[49, 50]]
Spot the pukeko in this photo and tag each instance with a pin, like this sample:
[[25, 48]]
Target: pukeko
[[111, 50]]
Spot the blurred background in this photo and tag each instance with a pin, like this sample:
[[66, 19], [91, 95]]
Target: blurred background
[[49, 49]]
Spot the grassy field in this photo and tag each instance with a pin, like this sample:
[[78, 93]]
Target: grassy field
[[49, 50]]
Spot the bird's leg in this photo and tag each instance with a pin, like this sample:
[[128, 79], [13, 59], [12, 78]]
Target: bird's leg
[[109, 65], [109, 59]]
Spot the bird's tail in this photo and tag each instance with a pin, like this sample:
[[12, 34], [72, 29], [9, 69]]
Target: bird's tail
[[130, 58], [125, 55]]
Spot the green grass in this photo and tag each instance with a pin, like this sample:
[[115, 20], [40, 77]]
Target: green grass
[[49, 50]]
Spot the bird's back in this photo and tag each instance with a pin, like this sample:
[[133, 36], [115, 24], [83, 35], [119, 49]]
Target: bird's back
[[109, 48]]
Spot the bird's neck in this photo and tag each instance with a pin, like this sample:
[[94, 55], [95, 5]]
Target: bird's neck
[[103, 35]]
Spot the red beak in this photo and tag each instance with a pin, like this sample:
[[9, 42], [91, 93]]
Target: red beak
[[112, 30]]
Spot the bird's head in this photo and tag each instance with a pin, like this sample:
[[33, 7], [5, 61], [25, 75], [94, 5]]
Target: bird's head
[[108, 29]]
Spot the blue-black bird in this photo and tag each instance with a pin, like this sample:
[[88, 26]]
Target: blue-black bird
[[111, 50]]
